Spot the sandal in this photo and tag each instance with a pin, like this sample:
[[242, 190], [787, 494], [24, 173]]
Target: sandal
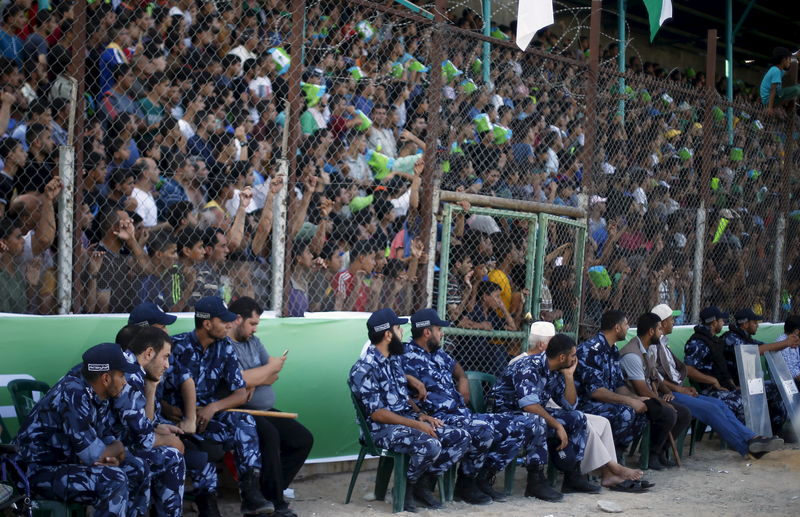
[[628, 486], [646, 484]]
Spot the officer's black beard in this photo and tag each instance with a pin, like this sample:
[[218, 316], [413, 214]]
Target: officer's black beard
[[396, 346], [433, 346]]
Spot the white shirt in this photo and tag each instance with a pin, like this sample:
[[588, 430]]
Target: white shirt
[[640, 196], [145, 207], [382, 140], [232, 205], [552, 162], [186, 128], [402, 204], [243, 54], [261, 87]]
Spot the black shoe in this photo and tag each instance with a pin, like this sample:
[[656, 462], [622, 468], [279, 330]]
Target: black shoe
[[408, 503], [207, 504], [423, 493], [539, 487], [284, 512], [253, 501], [762, 444], [467, 490], [576, 482], [655, 462], [485, 483], [663, 458]]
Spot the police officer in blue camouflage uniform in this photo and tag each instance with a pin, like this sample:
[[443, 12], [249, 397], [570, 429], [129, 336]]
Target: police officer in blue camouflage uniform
[[705, 352], [601, 386], [741, 332], [143, 430], [136, 412], [527, 385], [205, 361], [378, 383], [496, 438], [68, 445], [148, 314]]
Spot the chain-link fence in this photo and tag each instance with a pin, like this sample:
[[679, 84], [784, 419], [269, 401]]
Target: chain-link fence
[[683, 208], [295, 151]]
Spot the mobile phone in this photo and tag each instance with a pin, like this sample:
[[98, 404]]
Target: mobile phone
[[285, 352]]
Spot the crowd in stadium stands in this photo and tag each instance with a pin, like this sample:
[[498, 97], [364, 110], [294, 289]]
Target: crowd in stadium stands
[[185, 107]]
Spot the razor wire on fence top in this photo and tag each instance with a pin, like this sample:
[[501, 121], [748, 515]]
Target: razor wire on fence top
[[210, 157]]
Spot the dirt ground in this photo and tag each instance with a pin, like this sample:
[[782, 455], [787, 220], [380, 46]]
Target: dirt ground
[[710, 483]]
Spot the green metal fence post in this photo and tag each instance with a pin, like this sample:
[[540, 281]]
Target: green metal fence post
[[487, 31], [728, 64], [538, 264], [444, 260], [580, 253], [530, 268]]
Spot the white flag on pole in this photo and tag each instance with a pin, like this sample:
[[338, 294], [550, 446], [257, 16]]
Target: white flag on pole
[[532, 16]]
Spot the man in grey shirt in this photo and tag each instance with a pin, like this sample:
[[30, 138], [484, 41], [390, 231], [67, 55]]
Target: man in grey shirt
[[284, 442]]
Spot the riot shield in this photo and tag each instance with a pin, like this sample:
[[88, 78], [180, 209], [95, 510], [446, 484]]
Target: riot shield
[[754, 397]]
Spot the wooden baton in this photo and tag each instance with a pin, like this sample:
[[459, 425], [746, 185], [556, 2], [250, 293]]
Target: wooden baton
[[259, 412]]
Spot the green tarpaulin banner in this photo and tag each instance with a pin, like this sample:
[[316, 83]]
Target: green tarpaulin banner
[[312, 383]]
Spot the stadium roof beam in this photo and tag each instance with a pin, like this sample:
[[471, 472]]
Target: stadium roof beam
[[743, 17]]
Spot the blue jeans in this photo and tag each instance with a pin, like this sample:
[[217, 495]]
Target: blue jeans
[[715, 413]]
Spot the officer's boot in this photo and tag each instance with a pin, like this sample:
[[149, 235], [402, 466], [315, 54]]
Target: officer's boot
[[423, 491], [539, 487], [574, 481], [253, 502], [467, 490], [207, 504], [409, 505], [485, 482]]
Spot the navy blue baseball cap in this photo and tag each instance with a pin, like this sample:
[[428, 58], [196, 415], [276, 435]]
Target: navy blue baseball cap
[[745, 315], [384, 319], [107, 357], [427, 318], [711, 314], [148, 313], [213, 307]]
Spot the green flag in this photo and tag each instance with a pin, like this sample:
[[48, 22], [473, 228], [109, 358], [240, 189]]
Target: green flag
[[658, 11]]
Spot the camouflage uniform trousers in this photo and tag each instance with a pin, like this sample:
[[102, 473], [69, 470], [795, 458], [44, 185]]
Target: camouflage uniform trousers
[[111, 491], [481, 434], [625, 422], [733, 399], [168, 473], [428, 454], [509, 434], [236, 431], [534, 438], [574, 423]]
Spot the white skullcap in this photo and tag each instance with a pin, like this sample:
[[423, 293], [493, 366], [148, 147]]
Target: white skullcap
[[543, 329]]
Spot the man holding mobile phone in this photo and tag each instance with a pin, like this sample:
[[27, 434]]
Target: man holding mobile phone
[[284, 442]]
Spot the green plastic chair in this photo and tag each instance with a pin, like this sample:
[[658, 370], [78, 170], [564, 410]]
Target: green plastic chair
[[5, 436], [478, 382], [388, 462], [477, 399], [22, 391]]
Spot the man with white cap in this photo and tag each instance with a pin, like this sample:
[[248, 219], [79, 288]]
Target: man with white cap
[[599, 451], [709, 410]]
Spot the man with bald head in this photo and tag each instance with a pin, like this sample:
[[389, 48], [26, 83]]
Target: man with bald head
[[146, 175]]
